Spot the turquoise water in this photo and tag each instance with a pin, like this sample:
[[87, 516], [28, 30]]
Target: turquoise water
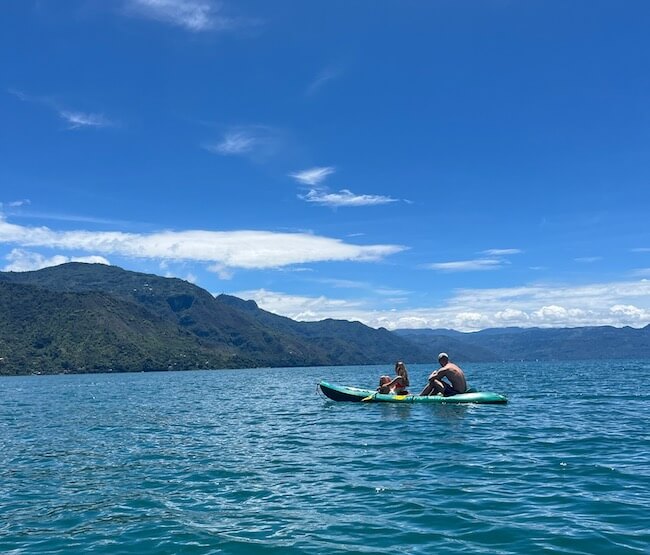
[[255, 461]]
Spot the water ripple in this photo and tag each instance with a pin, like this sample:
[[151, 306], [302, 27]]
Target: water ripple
[[170, 462]]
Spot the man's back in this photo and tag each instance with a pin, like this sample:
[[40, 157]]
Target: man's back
[[455, 376]]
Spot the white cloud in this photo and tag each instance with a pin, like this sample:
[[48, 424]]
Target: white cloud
[[191, 15], [511, 316], [344, 283], [471, 320], [313, 176], [407, 322], [302, 308], [554, 315], [363, 285], [630, 312], [345, 198], [222, 271], [615, 304], [74, 118], [18, 203], [78, 120], [79, 218], [234, 249], [258, 142], [551, 312], [494, 261], [466, 265], [26, 261], [236, 142], [501, 252], [641, 249]]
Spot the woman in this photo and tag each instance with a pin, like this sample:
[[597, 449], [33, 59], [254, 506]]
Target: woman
[[399, 384]]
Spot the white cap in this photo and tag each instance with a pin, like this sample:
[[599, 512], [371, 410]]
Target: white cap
[[443, 355]]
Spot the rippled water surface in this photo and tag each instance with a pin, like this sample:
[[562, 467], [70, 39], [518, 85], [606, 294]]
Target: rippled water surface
[[255, 461]]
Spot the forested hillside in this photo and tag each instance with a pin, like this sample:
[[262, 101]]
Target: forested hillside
[[91, 317]]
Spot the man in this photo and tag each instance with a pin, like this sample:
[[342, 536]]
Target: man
[[436, 386]]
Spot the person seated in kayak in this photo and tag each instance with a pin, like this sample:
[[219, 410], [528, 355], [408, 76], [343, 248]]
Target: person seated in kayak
[[397, 385], [383, 382], [456, 379]]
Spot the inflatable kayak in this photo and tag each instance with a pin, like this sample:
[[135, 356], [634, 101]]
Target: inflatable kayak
[[355, 394]]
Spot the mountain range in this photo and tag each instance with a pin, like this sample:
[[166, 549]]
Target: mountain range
[[515, 344], [96, 318], [91, 317]]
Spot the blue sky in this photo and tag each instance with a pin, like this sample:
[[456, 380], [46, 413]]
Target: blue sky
[[460, 164]]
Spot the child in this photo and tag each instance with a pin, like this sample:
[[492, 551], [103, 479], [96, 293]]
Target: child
[[397, 385], [384, 384]]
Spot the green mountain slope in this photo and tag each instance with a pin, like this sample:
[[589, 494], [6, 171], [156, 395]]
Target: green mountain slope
[[46, 332], [346, 342], [132, 321]]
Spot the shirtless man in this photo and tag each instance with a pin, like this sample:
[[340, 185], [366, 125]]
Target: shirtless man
[[453, 373]]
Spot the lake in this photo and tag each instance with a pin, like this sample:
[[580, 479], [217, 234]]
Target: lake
[[256, 461]]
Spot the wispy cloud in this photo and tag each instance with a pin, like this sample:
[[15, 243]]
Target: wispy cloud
[[344, 283], [467, 265], [641, 272], [313, 176], [363, 285], [227, 249], [191, 15], [20, 95], [493, 260], [257, 142], [501, 252], [233, 143], [641, 249], [18, 203], [77, 120], [74, 119], [25, 261], [324, 77], [62, 217], [345, 198]]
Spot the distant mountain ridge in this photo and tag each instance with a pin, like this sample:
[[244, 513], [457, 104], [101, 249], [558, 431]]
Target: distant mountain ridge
[[512, 344], [90, 317]]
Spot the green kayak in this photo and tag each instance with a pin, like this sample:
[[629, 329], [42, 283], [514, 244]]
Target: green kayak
[[355, 394]]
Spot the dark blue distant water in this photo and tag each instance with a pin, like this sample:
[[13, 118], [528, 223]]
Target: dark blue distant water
[[255, 461]]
